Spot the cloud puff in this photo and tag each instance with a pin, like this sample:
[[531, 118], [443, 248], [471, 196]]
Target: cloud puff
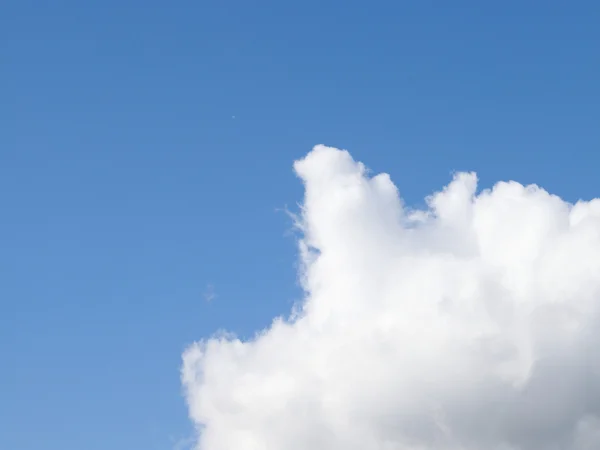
[[472, 325]]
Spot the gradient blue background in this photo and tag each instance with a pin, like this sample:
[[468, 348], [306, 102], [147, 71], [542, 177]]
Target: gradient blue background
[[127, 188]]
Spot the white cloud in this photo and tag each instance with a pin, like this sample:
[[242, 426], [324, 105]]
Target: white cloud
[[471, 326]]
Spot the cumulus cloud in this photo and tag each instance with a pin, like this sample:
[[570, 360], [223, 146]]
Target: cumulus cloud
[[471, 325]]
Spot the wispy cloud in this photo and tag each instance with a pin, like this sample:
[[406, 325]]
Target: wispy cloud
[[209, 293]]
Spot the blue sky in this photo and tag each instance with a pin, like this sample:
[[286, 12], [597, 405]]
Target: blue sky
[[127, 187]]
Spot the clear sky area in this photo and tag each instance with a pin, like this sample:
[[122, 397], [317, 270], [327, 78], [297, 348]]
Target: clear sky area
[[147, 156]]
